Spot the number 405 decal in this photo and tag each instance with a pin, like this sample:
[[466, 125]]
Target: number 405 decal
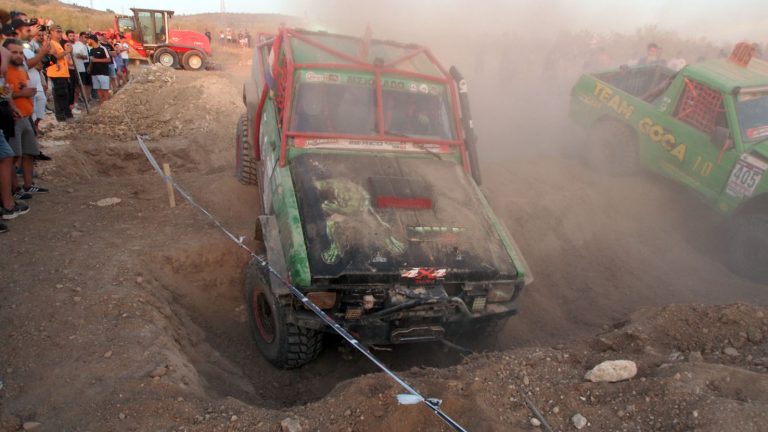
[[745, 177]]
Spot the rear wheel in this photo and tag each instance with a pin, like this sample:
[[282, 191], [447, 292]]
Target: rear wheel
[[283, 344], [166, 57], [612, 148], [246, 167], [193, 60], [748, 248]]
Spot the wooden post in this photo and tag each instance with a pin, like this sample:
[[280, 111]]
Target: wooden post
[[169, 185]]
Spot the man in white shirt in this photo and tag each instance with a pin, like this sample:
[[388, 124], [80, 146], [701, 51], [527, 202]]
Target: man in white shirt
[[123, 45], [80, 54]]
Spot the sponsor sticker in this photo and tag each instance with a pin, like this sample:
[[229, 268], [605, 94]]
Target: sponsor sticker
[[423, 274], [314, 77], [757, 132]]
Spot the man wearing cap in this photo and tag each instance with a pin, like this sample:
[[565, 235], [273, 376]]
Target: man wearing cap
[[25, 33], [100, 62], [59, 75]]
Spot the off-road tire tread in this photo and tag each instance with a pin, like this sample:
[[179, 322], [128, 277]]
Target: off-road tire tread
[[624, 159], [247, 170], [304, 345], [299, 345]]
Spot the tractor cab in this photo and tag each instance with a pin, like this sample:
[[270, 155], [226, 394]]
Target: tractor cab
[[147, 26]]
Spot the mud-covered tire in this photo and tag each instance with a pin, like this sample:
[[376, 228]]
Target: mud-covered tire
[[246, 167], [166, 57], [612, 148], [748, 246], [193, 60], [285, 345]]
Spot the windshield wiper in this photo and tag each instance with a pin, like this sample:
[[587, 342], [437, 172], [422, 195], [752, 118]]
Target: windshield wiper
[[419, 145]]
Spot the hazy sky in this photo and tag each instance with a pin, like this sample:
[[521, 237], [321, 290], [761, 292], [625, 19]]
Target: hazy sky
[[716, 19]]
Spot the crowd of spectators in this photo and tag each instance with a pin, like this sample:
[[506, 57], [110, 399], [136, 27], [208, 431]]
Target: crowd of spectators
[[228, 37], [40, 61]]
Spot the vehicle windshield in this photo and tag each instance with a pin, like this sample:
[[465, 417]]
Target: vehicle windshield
[[752, 109], [125, 24], [410, 109]]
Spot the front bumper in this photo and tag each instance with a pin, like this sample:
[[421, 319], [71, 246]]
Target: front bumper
[[406, 314]]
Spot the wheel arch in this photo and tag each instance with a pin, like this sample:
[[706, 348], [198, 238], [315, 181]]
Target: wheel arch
[[754, 205]]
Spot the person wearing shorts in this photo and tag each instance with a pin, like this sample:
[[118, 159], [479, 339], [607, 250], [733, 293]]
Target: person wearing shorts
[[24, 142], [100, 62]]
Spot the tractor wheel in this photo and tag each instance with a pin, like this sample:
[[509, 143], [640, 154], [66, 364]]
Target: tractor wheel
[[246, 167], [166, 57], [748, 247], [193, 60], [283, 344], [612, 148]]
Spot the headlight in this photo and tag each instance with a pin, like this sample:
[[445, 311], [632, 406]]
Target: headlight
[[501, 293]]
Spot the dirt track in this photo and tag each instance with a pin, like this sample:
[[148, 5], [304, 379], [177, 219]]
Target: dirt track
[[98, 299]]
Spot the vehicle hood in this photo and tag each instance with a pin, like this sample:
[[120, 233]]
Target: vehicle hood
[[189, 39], [374, 218]]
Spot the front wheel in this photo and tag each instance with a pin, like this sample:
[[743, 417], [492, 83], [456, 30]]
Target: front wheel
[[166, 57], [748, 248], [245, 162], [285, 345]]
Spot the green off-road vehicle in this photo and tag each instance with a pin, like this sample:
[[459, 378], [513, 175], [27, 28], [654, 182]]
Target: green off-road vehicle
[[364, 156], [705, 126]]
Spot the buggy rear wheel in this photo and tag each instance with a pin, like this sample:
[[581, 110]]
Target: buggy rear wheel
[[246, 167], [283, 344], [748, 248], [612, 148]]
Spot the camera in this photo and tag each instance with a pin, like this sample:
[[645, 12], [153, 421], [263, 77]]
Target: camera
[[48, 60]]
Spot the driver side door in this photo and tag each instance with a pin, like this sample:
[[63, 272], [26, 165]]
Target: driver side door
[[699, 160]]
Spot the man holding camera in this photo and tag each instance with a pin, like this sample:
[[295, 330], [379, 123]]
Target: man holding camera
[[59, 75]]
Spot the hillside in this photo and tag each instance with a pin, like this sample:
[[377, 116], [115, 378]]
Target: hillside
[[68, 15]]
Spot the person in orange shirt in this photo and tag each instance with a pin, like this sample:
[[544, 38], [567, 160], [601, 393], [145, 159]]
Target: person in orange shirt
[[9, 209], [59, 75], [24, 142]]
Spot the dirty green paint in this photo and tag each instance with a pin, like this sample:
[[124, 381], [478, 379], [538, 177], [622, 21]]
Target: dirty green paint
[[671, 147], [289, 226]]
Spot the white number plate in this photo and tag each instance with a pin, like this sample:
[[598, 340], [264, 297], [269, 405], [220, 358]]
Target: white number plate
[[745, 177]]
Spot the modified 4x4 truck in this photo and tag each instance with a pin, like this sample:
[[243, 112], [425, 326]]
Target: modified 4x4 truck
[[364, 156], [705, 126]]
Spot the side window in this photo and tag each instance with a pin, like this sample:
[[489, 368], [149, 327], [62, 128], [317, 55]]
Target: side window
[[160, 27], [701, 107], [147, 28]]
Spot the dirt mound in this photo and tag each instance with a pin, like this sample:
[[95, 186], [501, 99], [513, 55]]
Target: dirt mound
[[186, 119], [163, 102], [679, 387]]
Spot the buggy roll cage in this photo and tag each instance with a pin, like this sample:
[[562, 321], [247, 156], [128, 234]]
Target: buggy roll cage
[[283, 72]]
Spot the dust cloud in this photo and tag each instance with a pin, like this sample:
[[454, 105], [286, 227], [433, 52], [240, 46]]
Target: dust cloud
[[599, 247]]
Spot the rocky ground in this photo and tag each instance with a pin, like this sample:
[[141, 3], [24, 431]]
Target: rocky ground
[[129, 316]]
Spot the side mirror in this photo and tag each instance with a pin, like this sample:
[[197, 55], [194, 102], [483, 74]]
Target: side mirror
[[721, 138]]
